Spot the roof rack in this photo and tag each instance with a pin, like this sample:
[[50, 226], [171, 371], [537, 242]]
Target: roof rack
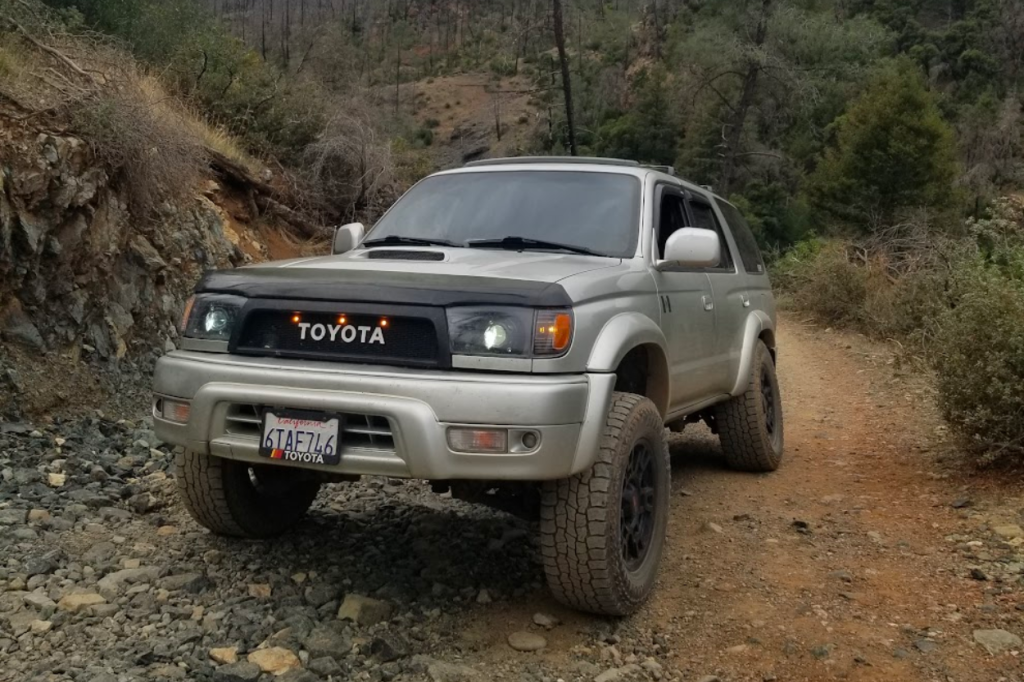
[[515, 160], [668, 170]]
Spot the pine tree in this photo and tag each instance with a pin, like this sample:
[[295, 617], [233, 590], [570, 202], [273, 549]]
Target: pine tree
[[892, 151]]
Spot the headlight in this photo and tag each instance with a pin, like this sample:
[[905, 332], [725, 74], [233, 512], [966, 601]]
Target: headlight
[[212, 316], [509, 332]]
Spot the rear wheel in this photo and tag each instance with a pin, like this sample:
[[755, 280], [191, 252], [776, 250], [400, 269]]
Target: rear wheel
[[242, 499], [603, 530], [750, 425]]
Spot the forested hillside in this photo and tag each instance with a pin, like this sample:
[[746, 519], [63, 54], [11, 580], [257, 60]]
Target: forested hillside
[[876, 146], [752, 97]]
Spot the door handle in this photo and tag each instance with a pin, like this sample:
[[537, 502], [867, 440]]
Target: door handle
[[709, 303], [745, 300]]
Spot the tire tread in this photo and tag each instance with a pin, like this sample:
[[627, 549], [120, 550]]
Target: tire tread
[[578, 514], [745, 443]]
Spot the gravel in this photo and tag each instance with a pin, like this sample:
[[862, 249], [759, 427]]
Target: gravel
[[106, 579]]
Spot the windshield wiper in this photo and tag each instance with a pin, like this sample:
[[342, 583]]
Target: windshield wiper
[[525, 243], [394, 240]]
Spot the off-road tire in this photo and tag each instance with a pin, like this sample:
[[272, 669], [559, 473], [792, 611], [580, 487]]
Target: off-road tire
[[227, 497], [750, 430], [581, 517]]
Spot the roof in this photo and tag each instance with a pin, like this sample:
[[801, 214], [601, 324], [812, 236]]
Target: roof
[[580, 160], [569, 163]]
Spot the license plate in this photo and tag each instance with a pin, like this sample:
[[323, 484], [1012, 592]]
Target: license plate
[[301, 437]]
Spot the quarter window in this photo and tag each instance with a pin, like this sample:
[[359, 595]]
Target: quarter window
[[753, 263]]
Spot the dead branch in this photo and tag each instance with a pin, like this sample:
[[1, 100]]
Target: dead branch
[[57, 54], [235, 173]]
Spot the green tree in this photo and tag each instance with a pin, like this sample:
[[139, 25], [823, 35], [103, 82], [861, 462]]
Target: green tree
[[892, 151], [647, 132]]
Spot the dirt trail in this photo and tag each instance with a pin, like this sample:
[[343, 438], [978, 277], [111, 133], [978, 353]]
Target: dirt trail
[[853, 562], [835, 567]]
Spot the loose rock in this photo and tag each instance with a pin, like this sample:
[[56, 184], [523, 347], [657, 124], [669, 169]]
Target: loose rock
[[275, 660], [327, 641], [243, 671], [997, 641], [364, 610], [1009, 531], [224, 655], [616, 674], [526, 641], [545, 621], [76, 602]]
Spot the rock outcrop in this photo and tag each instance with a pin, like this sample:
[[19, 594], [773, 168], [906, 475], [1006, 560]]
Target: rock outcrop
[[77, 270]]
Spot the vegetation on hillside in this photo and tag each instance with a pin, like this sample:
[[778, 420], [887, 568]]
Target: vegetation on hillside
[[875, 145]]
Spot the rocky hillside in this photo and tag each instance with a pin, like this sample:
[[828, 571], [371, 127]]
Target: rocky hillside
[[83, 281], [79, 271], [113, 201]]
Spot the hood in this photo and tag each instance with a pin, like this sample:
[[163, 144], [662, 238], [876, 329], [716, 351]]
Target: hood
[[461, 277], [493, 263]]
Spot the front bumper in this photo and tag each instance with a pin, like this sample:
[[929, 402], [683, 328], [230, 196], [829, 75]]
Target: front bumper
[[402, 415]]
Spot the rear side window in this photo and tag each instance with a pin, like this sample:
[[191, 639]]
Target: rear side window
[[750, 255]]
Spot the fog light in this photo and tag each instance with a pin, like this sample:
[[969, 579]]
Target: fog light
[[529, 440], [175, 411], [478, 440]]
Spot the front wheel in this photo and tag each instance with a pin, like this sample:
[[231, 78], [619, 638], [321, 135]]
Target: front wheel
[[241, 499], [603, 530], [750, 425]]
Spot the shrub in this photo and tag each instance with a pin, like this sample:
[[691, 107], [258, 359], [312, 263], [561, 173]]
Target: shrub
[[349, 166], [423, 137], [979, 348], [958, 302], [501, 67], [979, 361], [893, 285], [820, 279]]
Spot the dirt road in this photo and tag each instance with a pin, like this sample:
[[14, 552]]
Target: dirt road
[[844, 564], [866, 557]]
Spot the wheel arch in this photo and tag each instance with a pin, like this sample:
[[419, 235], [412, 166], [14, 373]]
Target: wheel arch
[[632, 346], [759, 327]]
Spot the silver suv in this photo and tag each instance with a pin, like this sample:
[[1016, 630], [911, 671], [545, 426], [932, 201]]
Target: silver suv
[[518, 329]]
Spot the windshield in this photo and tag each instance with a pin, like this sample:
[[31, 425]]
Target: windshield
[[595, 211]]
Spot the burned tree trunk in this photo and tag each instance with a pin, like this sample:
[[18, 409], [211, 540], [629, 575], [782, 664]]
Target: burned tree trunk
[[733, 133], [566, 81]]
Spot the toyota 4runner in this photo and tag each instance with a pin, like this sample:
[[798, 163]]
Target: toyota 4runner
[[518, 326]]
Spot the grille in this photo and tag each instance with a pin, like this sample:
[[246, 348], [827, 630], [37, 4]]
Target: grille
[[361, 337], [378, 254], [359, 430]]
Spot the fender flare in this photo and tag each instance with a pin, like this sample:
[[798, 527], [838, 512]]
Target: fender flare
[[758, 323], [621, 334]]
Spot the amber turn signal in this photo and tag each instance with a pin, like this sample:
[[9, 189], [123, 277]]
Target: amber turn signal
[[187, 313], [554, 332]]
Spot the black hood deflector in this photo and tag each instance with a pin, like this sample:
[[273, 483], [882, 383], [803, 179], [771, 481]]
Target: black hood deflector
[[370, 286]]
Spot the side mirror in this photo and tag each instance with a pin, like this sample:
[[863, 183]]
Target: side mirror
[[347, 237], [692, 247]]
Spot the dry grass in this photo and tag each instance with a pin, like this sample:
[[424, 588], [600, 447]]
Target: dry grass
[[221, 141], [125, 115], [210, 136], [138, 129], [9, 64]]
